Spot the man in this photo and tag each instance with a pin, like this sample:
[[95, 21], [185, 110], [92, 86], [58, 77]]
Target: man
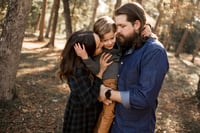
[[143, 67]]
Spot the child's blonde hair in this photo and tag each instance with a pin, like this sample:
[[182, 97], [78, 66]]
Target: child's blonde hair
[[104, 25]]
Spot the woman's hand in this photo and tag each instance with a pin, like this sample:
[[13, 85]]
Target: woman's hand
[[81, 52], [104, 63], [146, 31]]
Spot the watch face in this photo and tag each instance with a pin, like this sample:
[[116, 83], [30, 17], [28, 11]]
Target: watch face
[[108, 94]]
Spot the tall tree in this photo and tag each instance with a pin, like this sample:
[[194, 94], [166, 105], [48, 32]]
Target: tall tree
[[139, 1], [94, 10], [67, 16], [55, 20], [188, 27], [161, 13], [42, 21], [10, 45], [118, 3], [50, 22], [181, 43], [195, 53]]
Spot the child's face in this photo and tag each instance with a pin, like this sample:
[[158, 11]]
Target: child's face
[[108, 40], [98, 45]]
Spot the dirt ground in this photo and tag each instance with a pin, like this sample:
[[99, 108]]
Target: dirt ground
[[41, 97]]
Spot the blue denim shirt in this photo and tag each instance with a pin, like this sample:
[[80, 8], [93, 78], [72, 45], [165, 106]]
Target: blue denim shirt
[[141, 74]]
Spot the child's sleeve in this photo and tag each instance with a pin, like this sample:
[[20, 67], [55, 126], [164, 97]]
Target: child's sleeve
[[93, 65]]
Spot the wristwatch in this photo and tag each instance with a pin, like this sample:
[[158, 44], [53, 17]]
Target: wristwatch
[[108, 94]]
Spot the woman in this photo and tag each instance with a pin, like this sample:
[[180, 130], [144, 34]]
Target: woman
[[83, 108]]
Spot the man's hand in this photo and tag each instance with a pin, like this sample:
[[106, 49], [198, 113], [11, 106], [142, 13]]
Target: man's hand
[[102, 97]]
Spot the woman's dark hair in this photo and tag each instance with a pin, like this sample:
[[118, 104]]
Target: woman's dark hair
[[69, 59]]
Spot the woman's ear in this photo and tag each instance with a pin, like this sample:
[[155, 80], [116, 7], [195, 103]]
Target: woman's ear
[[137, 25]]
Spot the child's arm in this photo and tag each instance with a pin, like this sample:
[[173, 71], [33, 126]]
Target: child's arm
[[90, 63]]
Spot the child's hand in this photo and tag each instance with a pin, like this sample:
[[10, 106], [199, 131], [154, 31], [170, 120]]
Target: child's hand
[[104, 63], [81, 52]]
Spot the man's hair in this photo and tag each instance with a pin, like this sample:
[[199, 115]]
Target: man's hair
[[134, 11]]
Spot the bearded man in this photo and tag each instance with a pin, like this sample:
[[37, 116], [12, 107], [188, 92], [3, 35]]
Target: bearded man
[[143, 66]]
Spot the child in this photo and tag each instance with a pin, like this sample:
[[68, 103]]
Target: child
[[83, 108]]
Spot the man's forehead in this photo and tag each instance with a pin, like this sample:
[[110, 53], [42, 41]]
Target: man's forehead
[[121, 18]]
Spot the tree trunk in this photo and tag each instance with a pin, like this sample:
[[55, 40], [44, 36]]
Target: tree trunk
[[168, 41], [42, 21], [10, 45], [186, 32], [94, 10], [139, 1], [181, 44], [118, 3], [68, 25], [196, 51], [37, 22], [55, 19], [155, 30], [50, 22]]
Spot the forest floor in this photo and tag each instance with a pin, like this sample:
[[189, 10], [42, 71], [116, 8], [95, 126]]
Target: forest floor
[[39, 104]]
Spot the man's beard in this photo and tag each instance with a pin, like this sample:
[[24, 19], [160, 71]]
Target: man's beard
[[129, 41]]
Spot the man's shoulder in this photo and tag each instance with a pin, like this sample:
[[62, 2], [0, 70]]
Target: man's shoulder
[[154, 43]]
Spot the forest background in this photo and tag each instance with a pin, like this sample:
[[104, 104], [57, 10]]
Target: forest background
[[33, 33]]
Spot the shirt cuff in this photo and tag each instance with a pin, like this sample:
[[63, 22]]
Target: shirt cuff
[[125, 98], [87, 60]]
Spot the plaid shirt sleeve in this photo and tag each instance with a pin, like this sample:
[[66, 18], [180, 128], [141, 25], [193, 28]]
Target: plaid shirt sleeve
[[84, 89]]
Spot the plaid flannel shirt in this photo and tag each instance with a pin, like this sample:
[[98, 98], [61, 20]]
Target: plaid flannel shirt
[[83, 107]]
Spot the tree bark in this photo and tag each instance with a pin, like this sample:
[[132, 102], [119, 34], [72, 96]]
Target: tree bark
[[67, 16], [155, 30], [10, 45], [118, 3], [50, 22], [42, 21], [139, 1], [94, 10], [195, 53], [181, 44], [55, 20]]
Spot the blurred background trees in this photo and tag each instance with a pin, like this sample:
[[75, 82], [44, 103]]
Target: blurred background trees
[[176, 22]]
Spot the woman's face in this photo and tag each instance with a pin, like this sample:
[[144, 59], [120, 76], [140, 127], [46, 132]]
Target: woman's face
[[98, 45]]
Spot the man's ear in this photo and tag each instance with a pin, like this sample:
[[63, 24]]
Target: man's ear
[[137, 25]]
